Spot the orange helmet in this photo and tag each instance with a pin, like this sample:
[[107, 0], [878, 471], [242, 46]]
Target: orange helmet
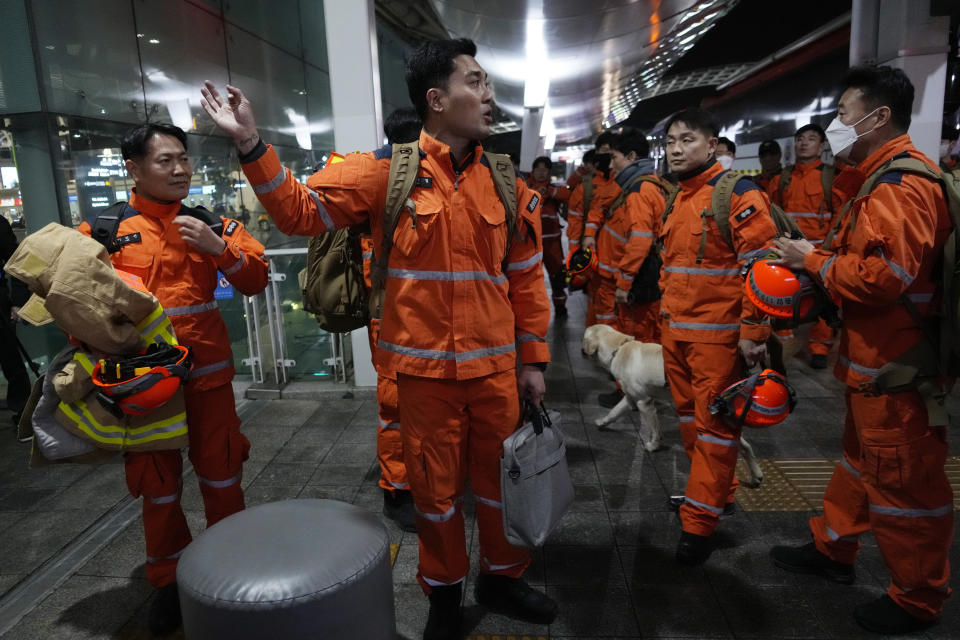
[[779, 292], [581, 263], [139, 384], [762, 400]]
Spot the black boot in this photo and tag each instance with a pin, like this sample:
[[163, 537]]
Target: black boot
[[164, 616], [693, 549], [883, 615], [398, 506], [444, 620], [514, 598], [808, 559]]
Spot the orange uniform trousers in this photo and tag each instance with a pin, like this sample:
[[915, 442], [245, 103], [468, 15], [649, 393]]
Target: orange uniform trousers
[[642, 321], [217, 451], [821, 338], [697, 372], [452, 428], [891, 480], [603, 301], [393, 472], [553, 260]]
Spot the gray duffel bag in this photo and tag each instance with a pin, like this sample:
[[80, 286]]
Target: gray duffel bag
[[534, 482]]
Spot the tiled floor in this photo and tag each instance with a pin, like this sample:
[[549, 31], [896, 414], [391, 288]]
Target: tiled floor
[[609, 564]]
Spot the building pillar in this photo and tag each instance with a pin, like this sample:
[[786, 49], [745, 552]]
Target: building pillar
[[903, 34], [44, 197], [531, 142], [357, 115]]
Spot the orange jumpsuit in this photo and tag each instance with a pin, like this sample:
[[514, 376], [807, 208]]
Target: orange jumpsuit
[[184, 280], [624, 242], [763, 179], [804, 201], [461, 306], [891, 478], [393, 473], [705, 313], [602, 307], [553, 257]]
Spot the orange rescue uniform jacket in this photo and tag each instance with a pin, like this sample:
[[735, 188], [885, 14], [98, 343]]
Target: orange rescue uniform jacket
[[705, 301], [627, 235], [605, 191], [804, 201], [184, 280], [549, 205], [458, 303], [900, 230]]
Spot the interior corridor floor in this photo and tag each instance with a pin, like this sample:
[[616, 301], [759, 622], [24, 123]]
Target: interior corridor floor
[[71, 542]]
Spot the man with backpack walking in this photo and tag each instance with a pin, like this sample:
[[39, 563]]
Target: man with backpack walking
[[708, 322], [884, 266], [464, 297]]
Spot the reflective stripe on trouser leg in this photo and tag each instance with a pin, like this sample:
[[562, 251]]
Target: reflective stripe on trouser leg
[[821, 338], [836, 533], [494, 413], [393, 472], [217, 450], [434, 452], [910, 500], [156, 475], [713, 480]]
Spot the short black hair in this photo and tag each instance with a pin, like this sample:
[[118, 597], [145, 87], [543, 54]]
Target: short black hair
[[589, 157], [635, 141], [728, 143], [137, 141], [402, 125], [430, 66], [817, 129], [697, 119], [545, 161], [768, 148], [883, 87], [604, 138]]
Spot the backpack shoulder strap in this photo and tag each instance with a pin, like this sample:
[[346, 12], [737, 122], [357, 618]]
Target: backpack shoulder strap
[[720, 205], [671, 199], [634, 187], [505, 182], [785, 177], [827, 173], [404, 165], [104, 227], [587, 195]]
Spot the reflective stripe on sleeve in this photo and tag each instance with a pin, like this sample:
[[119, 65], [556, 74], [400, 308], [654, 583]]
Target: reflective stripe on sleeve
[[368, 255], [898, 271], [607, 229], [575, 214], [826, 265], [525, 264], [232, 269], [607, 267], [322, 211], [210, 368], [267, 187]]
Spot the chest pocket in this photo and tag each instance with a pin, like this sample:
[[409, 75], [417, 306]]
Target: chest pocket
[[136, 260], [417, 230], [203, 273]]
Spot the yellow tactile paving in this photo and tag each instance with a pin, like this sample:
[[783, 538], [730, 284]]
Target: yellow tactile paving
[[394, 548], [798, 484]]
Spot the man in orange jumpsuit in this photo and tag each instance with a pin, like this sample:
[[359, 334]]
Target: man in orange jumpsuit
[[626, 237], [891, 478], [179, 257], [462, 303], [708, 323], [602, 307], [539, 180], [580, 198], [799, 190], [769, 155]]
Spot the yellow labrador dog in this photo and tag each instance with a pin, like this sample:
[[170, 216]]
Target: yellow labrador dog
[[638, 367]]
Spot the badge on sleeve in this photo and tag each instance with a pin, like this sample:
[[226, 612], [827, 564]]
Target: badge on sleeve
[[746, 213], [231, 228], [534, 201]]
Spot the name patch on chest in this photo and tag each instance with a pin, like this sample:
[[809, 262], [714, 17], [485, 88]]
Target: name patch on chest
[[534, 201], [424, 181], [746, 213], [130, 238], [231, 228]]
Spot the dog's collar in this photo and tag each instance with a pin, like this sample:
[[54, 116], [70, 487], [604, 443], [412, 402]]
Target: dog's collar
[[614, 353]]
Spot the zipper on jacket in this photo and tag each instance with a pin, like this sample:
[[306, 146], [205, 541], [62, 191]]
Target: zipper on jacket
[[456, 180]]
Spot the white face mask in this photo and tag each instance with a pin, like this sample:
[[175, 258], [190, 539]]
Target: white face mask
[[725, 161], [841, 136]]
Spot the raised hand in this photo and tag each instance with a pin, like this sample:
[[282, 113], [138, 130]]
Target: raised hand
[[234, 116]]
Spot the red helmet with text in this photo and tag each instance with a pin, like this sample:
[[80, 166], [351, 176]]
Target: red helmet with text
[[581, 263]]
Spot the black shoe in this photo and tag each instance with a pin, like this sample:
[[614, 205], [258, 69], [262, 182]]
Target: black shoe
[[818, 361], [808, 559], [560, 311], [398, 506], [883, 615], [164, 616], [676, 502], [610, 400], [445, 619], [514, 598], [693, 549]]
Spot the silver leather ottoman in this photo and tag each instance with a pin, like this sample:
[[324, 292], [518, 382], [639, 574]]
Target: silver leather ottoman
[[291, 569]]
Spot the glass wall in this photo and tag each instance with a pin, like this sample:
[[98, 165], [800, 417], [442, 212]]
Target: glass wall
[[104, 65]]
